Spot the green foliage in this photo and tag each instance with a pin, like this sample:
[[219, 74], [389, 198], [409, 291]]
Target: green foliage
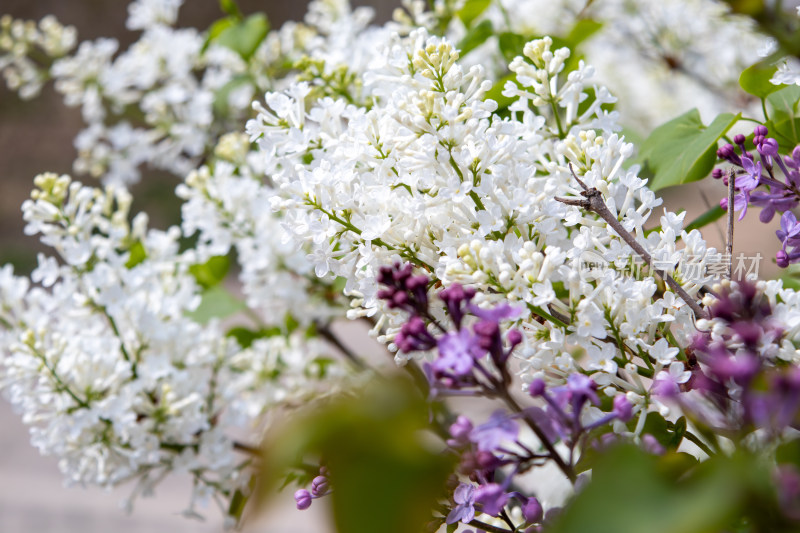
[[222, 95], [231, 8], [511, 44], [245, 336], [241, 36], [212, 272], [582, 30], [784, 119], [712, 215], [496, 92], [472, 9], [216, 302], [137, 255], [755, 79], [385, 476], [475, 37], [684, 150], [633, 492]]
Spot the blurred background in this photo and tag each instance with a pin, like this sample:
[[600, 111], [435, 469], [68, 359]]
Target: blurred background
[[36, 136]]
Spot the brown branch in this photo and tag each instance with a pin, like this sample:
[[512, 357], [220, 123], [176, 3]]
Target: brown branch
[[729, 242], [593, 201]]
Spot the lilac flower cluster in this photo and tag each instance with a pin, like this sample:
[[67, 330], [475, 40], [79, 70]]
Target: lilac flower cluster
[[737, 383], [472, 355], [461, 366], [757, 183]]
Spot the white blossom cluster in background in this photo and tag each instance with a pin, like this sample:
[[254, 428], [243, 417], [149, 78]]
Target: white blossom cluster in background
[[106, 365], [372, 144]]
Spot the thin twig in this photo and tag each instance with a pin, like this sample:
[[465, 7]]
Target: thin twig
[[325, 332], [486, 527], [729, 242], [593, 201]]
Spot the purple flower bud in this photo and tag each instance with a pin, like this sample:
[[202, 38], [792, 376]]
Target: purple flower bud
[[726, 152], [536, 387], [532, 511], [460, 430], [716, 173], [739, 139], [622, 408], [760, 130], [782, 258], [651, 445], [319, 486], [768, 147], [303, 499], [514, 337]]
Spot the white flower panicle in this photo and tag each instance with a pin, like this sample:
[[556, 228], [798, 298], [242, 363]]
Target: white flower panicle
[[108, 368]]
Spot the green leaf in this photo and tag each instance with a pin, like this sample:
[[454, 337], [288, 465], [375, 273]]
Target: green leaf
[[137, 255], [755, 79], [384, 474], [712, 215], [472, 9], [245, 337], [216, 302], [783, 103], [475, 37], [684, 150], [511, 45], [789, 452], [212, 272], [230, 7], [786, 132], [222, 95], [496, 92], [244, 36], [633, 492], [582, 30], [217, 28]]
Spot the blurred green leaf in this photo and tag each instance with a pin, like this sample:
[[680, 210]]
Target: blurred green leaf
[[472, 9], [216, 302], [243, 37], [633, 492], [755, 79], [230, 7], [221, 103], [496, 92], [789, 452], [684, 150], [137, 255], [511, 45], [212, 272], [475, 37], [712, 215], [384, 475], [582, 30], [245, 337]]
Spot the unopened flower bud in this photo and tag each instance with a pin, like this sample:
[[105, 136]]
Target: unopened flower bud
[[303, 499]]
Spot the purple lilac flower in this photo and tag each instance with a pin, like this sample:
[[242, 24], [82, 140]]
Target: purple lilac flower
[[489, 435], [492, 498], [457, 353], [460, 431], [766, 191], [464, 511]]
